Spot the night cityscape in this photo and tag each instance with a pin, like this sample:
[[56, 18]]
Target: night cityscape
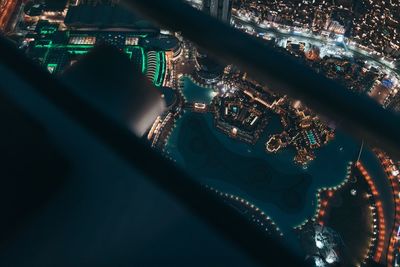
[[294, 174]]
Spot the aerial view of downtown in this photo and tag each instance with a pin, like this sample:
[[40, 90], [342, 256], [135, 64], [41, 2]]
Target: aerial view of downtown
[[295, 175]]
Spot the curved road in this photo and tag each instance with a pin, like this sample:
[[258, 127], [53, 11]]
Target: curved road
[[311, 38]]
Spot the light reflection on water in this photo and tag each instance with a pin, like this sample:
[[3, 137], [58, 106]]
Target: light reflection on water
[[273, 182]]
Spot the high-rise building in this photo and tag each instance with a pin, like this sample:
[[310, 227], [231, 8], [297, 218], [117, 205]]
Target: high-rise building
[[220, 9], [208, 69]]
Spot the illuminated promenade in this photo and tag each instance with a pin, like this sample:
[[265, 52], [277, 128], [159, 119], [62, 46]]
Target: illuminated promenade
[[381, 226], [252, 212], [334, 205], [355, 209], [393, 175]]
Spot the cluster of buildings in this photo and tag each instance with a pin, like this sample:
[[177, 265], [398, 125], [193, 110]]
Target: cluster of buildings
[[244, 115], [56, 33], [361, 77], [354, 73], [376, 25], [369, 23], [240, 116], [324, 41], [319, 16], [56, 46], [302, 130]]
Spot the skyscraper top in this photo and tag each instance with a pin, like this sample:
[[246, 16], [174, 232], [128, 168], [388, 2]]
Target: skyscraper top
[[220, 9]]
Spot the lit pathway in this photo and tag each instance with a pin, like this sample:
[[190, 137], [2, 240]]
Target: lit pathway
[[382, 224], [387, 165]]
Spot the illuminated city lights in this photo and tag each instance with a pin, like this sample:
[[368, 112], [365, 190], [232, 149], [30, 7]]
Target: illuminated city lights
[[261, 152]]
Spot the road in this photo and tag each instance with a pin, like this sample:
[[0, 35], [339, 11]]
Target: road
[[315, 39]]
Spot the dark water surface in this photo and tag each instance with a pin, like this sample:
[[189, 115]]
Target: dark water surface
[[273, 182]]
